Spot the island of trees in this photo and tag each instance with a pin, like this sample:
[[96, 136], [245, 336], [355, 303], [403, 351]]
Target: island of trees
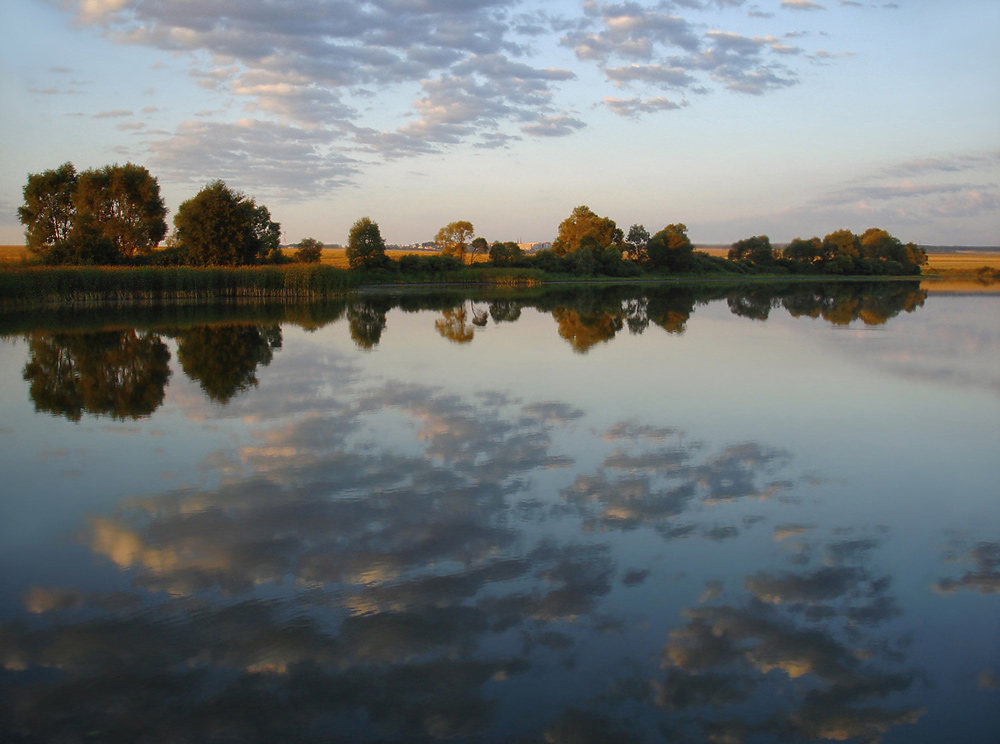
[[115, 216]]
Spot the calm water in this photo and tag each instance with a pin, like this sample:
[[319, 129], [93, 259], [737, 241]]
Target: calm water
[[649, 515]]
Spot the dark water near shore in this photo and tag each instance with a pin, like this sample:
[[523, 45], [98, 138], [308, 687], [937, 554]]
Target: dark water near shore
[[609, 514]]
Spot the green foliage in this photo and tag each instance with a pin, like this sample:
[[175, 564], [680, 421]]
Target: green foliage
[[800, 249], [122, 204], [365, 247], [671, 250], [756, 250], [581, 223], [101, 216], [479, 245], [636, 242], [309, 250], [427, 266], [874, 253], [35, 285], [48, 212], [505, 254], [454, 238], [222, 227]]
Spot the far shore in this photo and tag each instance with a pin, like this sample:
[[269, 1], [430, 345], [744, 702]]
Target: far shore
[[947, 270]]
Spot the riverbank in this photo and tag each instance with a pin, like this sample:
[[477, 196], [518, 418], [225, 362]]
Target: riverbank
[[27, 286]]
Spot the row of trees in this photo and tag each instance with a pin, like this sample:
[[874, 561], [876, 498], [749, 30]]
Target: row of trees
[[115, 214], [875, 251]]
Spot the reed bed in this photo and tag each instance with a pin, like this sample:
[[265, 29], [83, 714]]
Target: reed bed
[[20, 286]]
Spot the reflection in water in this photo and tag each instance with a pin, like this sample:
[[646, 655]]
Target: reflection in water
[[366, 318], [401, 562], [223, 359], [121, 374], [371, 595]]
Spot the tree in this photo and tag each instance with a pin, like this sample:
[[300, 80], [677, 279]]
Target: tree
[[309, 250], [122, 204], [505, 254], [365, 247], [671, 249], [757, 250], [48, 213], [479, 245], [636, 242], [800, 249], [583, 222], [454, 238], [222, 227]]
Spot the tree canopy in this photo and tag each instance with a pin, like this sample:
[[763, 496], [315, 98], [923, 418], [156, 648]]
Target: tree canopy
[[103, 215], [48, 212], [309, 250], [122, 203], [581, 223], [757, 250], [454, 238], [671, 249], [222, 227], [365, 247]]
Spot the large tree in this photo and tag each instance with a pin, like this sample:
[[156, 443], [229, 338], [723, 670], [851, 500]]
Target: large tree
[[365, 247], [222, 227], [103, 215], [584, 222], [756, 250], [671, 249], [48, 213], [636, 242], [454, 238], [122, 204]]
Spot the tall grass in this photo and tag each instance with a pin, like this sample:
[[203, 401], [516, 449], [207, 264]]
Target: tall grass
[[21, 286]]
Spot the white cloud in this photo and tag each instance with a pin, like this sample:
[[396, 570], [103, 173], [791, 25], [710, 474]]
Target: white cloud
[[801, 5], [632, 107]]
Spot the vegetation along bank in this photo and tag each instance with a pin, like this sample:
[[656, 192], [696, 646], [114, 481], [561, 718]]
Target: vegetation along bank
[[97, 235]]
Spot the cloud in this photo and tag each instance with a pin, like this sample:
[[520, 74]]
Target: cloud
[[633, 107], [116, 114], [553, 126], [985, 576], [801, 5], [280, 159]]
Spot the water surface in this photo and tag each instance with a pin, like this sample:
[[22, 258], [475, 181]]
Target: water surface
[[568, 516]]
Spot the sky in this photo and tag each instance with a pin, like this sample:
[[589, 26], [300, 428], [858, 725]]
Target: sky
[[789, 118]]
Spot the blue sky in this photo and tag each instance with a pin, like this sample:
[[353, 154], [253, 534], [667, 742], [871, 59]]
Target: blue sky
[[783, 117]]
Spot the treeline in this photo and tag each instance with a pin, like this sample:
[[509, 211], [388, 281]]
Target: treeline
[[115, 215]]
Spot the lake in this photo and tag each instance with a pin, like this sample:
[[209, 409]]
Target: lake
[[649, 514]]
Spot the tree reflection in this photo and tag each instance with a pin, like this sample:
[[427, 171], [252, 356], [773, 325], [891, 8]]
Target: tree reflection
[[366, 319], [454, 325], [122, 374], [223, 359]]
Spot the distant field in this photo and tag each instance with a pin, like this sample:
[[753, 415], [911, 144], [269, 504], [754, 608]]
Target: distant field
[[12, 252], [962, 261]]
